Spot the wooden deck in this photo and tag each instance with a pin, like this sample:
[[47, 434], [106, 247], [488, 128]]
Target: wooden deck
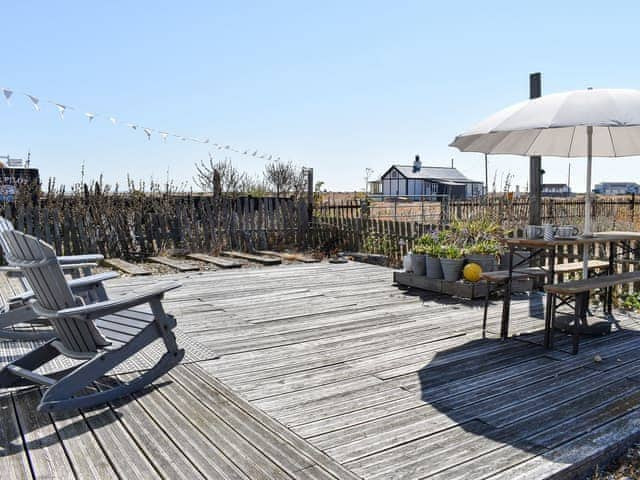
[[329, 371]]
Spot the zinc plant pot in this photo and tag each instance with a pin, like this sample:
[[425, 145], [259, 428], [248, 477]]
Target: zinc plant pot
[[434, 269], [452, 268], [486, 262], [418, 264], [406, 263]]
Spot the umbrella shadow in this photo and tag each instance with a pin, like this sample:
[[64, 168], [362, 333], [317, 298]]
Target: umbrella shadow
[[515, 393]]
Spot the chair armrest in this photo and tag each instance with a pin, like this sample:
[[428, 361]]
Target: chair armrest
[[67, 267], [76, 285], [100, 309], [91, 280], [89, 258]]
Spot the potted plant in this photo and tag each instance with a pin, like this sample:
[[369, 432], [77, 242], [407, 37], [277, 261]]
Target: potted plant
[[452, 261], [418, 264], [484, 253], [432, 260]]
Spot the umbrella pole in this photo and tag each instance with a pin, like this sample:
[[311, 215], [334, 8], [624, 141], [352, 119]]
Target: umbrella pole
[[587, 203]]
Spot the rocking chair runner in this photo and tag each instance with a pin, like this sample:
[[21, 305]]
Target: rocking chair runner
[[104, 333], [17, 309]]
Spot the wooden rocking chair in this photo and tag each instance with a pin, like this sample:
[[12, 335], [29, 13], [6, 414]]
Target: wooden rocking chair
[[104, 334], [16, 310]]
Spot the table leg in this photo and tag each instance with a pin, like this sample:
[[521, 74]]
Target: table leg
[[609, 293], [506, 306], [548, 311]]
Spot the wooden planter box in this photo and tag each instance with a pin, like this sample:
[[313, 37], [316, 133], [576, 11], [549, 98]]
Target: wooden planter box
[[460, 288]]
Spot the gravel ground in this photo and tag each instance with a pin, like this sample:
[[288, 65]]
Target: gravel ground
[[624, 468]]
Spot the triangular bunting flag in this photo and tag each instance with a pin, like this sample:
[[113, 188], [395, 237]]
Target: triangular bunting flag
[[114, 120], [132, 125], [164, 136], [61, 108], [35, 101], [90, 116], [7, 94], [148, 131]]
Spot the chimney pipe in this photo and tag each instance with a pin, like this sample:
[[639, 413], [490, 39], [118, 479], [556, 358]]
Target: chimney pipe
[[452, 163]]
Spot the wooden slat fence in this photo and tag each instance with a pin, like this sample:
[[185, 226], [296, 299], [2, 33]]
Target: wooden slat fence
[[139, 225]]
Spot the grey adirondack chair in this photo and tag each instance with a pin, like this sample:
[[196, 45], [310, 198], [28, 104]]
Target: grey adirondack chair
[[103, 334], [17, 310]]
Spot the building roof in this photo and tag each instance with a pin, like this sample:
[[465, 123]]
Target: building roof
[[614, 184], [441, 174]]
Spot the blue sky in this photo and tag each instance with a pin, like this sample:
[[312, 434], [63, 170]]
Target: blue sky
[[338, 86]]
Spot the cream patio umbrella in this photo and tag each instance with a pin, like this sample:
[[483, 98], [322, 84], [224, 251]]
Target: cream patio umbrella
[[580, 123]]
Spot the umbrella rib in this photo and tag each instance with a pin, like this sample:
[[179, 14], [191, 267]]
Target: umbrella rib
[[613, 145], [573, 134], [534, 140]]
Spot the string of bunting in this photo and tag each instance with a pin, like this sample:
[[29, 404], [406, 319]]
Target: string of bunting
[[62, 108]]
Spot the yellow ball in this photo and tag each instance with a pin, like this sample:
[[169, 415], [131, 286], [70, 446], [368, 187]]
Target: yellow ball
[[472, 272]]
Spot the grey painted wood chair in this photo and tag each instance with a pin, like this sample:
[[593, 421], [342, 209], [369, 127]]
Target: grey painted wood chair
[[16, 310], [103, 334]]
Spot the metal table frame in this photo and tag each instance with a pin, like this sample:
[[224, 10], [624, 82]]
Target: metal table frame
[[549, 249]]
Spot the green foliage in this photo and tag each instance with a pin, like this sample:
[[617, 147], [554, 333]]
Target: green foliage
[[480, 236], [420, 249], [451, 252], [631, 301], [485, 247], [375, 243]]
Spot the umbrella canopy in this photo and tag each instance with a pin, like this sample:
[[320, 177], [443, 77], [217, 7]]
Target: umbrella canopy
[[556, 125], [579, 123]]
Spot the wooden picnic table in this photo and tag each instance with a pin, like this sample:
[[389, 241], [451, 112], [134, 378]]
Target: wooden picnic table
[[538, 248]]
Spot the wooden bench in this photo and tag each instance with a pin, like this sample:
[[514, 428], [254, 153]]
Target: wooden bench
[[579, 290], [499, 278]]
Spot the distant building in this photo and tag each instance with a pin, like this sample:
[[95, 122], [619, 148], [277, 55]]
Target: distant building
[[418, 182], [616, 188], [556, 190]]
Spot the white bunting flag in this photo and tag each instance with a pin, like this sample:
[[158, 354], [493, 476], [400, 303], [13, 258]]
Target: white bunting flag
[[113, 120], [7, 94], [164, 136], [269, 158], [255, 153], [61, 108], [90, 116], [148, 131], [35, 101], [132, 125], [245, 152]]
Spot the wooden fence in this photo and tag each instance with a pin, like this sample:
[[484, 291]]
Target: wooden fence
[[611, 213], [137, 225], [352, 225]]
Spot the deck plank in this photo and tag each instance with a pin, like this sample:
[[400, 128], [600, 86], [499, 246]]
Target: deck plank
[[306, 373]]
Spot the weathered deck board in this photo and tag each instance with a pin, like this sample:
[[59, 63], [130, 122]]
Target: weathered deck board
[[126, 267], [263, 260], [295, 257], [389, 383], [217, 261], [180, 265], [353, 377]]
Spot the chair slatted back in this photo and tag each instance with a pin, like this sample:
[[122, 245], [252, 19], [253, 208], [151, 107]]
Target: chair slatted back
[[39, 263], [5, 226]]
